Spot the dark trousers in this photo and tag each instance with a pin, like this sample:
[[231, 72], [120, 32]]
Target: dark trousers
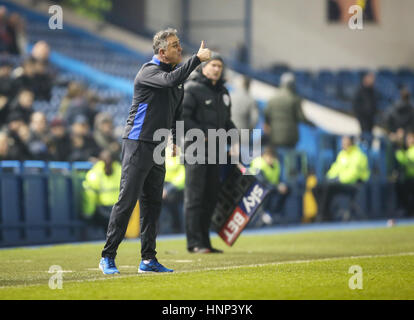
[[325, 192], [141, 179], [202, 182], [275, 202], [405, 196]]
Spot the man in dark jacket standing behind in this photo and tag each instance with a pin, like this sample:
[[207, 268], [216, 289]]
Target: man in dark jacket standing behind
[[365, 108], [283, 114], [206, 106], [158, 93]]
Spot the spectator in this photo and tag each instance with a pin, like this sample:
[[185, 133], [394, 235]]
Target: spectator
[[104, 134], [44, 72], [173, 193], [245, 114], [39, 137], [405, 184], [60, 143], [75, 90], [18, 137], [23, 105], [80, 106], [43, 82], [283, 114], [349, 169], [268, 172], [83, 146], [365, 108], [41, 52], [101, 189], [24, 76], [400, 116]]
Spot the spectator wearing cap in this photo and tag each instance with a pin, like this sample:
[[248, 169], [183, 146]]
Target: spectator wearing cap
[[283, 114], [60, 142], [104, 134]]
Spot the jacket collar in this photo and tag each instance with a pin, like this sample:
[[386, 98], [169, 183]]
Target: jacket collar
[[164, 66]]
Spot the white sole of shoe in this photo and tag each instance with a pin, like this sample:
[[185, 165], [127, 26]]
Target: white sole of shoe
[[101, 268]]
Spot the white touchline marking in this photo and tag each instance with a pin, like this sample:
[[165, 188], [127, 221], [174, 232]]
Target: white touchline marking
[[118, 276]]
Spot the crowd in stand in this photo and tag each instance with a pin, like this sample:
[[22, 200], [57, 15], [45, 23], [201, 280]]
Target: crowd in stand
[[77, 133]]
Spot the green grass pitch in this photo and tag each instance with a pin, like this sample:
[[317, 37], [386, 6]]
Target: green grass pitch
[[309, 265]]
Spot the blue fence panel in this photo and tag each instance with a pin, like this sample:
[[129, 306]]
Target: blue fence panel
[[35, 201], [60, 201], [11, 208]]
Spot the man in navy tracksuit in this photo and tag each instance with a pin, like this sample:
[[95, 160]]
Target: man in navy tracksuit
[[158, 93]]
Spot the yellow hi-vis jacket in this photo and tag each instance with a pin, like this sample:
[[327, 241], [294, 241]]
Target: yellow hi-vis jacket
[[100, 189], [350, 166], [272, 174], [406, 159], [174, 172]]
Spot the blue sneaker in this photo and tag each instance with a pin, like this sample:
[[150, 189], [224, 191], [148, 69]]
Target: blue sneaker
[[152, 266], [107, 266]]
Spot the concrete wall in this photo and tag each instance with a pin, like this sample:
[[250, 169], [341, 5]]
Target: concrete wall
[[160, 14], [286, 31], [296, 32]]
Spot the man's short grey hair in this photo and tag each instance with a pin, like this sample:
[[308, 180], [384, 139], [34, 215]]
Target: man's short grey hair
[[160, 39]]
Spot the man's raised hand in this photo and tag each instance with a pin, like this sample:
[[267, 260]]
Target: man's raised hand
[[204, 54]]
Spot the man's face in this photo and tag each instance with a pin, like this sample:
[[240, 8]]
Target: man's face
[[58, 131], [173, 53], [369, 80], [26, 99], [39, 122], [213, 70], [80, 129]]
